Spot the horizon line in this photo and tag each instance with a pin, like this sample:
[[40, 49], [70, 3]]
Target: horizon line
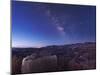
[[57, 45]]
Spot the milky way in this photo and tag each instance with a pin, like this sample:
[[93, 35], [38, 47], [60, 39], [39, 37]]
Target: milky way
[[37, 24], [53, 18]]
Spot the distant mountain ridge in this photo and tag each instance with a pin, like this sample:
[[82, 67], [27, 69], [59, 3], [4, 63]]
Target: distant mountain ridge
[[85, 43], [53, 49]]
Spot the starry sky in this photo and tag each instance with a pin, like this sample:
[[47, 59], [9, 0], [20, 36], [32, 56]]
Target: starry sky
[[37, 24]]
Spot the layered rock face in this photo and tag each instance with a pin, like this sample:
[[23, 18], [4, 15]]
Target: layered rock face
[[32, 64]]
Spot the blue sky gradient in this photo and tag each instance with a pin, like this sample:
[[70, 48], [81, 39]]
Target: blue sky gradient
[[41, 24]]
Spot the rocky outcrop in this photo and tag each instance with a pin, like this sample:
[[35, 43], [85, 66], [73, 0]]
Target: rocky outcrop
[[31, 64]]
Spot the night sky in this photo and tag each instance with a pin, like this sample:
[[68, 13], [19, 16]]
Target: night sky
[[41, 24]]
